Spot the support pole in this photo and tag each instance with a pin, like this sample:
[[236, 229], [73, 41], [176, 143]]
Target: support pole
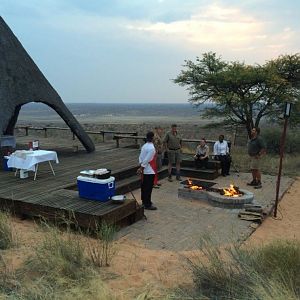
[[282, 144]]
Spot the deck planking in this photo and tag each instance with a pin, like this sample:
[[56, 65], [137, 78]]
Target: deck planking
[[49, 197]]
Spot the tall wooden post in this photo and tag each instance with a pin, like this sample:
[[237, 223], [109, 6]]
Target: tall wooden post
[[282, 144]]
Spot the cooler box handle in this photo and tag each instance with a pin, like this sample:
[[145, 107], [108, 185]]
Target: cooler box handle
[[111, 185]]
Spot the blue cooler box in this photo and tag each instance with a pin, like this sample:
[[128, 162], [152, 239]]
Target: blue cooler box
[[96, 189]]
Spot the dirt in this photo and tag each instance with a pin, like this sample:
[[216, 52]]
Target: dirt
[[287, 223], [136, 269], [141, 269]]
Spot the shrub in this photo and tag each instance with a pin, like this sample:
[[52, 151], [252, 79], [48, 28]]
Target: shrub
[[269, 272], [8, 282], [280, 261], [7, 237], [101, 250], [59, 256], [272, 137]]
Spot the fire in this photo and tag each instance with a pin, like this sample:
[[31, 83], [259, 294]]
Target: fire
[[193, 186], [232, 191], [196, 187]]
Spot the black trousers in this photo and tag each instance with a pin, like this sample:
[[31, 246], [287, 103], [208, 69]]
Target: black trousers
[[225, 163], [199, 163], [146, 189]]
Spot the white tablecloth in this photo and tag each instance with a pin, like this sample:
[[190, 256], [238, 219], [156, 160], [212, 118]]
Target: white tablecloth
[[27, 160]]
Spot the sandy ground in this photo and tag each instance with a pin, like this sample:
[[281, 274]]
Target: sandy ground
[[165, 270], [287, 223], [136, 269]]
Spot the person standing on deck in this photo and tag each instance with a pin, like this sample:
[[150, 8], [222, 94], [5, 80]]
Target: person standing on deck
[[158, 144], [147, 170], [256, 149], [173, 144]]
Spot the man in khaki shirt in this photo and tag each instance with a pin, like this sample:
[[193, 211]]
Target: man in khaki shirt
[[173, 144]]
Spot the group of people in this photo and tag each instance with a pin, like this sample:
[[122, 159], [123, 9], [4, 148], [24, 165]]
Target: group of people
[[151, 157]]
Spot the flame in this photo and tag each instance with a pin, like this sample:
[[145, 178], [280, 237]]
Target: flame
[[231, 191], [193, 186], [196, 187]]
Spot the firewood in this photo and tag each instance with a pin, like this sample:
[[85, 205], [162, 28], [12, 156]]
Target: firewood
[[248, 205], [254, 209], [249, 213], [251, 218]]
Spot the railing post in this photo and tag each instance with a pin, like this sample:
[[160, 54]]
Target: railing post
[[45, 132], [103, 133], [73, 137], [118, 142], [26, 130]]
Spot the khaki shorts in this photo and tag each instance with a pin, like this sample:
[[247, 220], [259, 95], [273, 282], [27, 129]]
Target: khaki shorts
[[174, 156], [255, 163]]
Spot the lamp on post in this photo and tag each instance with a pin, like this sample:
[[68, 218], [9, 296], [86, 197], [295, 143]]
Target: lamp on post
[[287, 110], [286, 115]]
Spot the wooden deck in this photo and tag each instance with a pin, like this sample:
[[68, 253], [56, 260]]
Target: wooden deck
[[54, 197]]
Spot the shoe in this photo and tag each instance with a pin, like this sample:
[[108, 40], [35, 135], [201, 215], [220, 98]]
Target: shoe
[[156, 186], [170, 178], [150, 207], [252, 183], [227, 174], [258, 185], [178, 178], [224, 175]]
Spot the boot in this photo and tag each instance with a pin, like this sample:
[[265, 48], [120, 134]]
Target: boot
[[178, 177]]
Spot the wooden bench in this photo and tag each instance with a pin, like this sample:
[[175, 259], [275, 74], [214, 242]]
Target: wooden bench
[[119, 137], [130, 133]]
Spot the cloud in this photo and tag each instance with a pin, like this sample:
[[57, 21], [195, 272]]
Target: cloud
[[228, 30], [121, 28], [210, 25], [217, 26]]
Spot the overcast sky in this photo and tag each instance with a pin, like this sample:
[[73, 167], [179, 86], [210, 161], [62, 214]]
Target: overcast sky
[[129, 50]]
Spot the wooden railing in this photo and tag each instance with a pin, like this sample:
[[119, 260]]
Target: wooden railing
[[46, 128], [119, 137]]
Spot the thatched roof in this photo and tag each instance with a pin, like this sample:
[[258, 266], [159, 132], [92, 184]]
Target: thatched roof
[[21, 82]]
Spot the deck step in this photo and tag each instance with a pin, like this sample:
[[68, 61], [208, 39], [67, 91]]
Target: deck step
[[133, 182], [198, 173], [211, 164]]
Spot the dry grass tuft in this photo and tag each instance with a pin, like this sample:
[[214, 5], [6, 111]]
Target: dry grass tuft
[[269, 272], [7, 234]]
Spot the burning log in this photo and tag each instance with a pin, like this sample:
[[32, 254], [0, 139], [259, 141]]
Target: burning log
[[192, 186], [232, 191]]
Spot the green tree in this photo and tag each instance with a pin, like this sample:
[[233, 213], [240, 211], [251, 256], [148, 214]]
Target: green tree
[[287, 67], [242, 94]]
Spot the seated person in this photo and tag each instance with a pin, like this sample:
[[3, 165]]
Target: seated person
[[221, 153], [201, 156]]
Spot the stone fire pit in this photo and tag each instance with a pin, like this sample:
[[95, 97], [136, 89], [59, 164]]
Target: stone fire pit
[[214, 197]]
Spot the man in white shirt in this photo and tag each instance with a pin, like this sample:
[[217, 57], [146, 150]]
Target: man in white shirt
[[221, 153], [147, 169]]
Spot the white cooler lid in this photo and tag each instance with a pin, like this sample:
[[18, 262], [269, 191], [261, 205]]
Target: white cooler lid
[[96, 180]]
